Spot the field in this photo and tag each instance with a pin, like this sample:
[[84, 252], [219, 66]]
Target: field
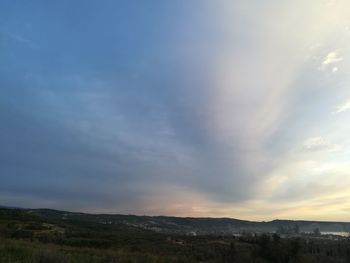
[[46, 237]]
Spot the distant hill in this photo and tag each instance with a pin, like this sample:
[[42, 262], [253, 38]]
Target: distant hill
[[186, 225], [10, 207]]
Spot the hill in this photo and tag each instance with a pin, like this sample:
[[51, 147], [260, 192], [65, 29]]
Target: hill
[[52, 236], [188, 225]]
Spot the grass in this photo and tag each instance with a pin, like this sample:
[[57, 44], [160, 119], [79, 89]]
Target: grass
[[29, 238], [21, 251]]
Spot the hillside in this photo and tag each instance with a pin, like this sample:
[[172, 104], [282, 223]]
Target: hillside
[[45, 235], [184, 225]]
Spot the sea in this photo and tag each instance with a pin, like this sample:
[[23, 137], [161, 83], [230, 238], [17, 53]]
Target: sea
[[343, 234]]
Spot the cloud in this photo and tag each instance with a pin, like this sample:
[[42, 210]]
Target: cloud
[[332, 58], [318, 144], [211, 125], [344, 107], [22, 40]]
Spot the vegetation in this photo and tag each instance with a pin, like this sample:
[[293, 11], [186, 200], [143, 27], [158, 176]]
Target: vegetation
[[31, 237]]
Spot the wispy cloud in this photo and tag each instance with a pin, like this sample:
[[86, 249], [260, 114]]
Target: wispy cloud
[[332, 58], [344, 107], [318, 144], [222, 119], [23, 40]]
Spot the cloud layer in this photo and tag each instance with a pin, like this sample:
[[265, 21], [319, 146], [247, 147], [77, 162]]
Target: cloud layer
[[186, 108]]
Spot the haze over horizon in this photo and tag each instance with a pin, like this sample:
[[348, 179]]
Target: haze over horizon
[[188, 108]]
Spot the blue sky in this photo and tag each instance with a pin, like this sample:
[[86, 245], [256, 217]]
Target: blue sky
[[201, 108]]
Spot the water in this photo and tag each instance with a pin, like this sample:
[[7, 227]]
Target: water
[[343, 234]]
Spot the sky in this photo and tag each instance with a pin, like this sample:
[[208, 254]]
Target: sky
[[225, 108]]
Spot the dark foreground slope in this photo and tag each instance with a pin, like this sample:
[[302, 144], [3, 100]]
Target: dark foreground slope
[[57, 236]]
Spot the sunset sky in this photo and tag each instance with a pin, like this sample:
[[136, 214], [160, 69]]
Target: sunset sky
[[220, 108]]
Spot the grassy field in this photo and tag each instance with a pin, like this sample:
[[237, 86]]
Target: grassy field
[[27, 237], [25, 251]]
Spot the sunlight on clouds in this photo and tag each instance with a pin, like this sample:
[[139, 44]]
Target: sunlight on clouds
[[331, 58], [229, 114], [269, 146], [318, 144], [254, 86], [264, 82], [343, 108]]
